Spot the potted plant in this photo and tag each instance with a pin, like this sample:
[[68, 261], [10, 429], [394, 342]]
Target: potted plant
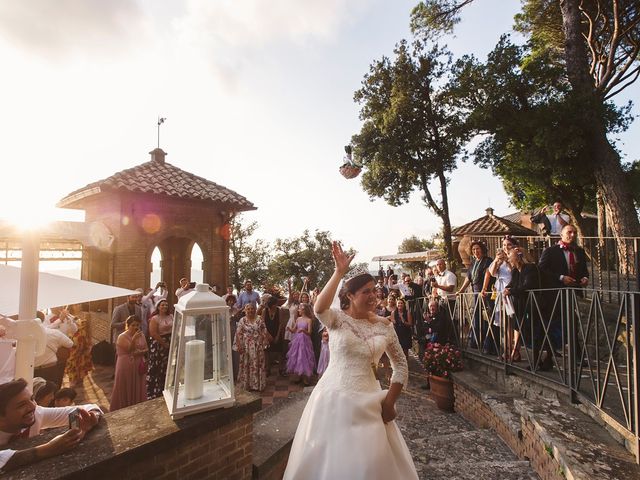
[[439, 362]]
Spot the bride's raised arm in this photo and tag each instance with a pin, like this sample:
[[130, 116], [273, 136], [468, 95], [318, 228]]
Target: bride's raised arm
[[342, 262]]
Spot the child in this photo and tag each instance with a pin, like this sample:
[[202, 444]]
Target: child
[[65, 397], [323, 361], [300, 359]]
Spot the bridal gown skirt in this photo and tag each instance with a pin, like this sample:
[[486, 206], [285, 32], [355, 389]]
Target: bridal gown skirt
[[341, 436]]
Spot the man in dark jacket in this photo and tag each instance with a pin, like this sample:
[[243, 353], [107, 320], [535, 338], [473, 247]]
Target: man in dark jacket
[[563, 265]]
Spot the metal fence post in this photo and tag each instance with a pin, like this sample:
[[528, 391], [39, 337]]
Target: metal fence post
[[571, 332], [635, 342]]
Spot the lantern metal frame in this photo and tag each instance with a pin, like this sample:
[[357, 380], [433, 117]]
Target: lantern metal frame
[[201, 301]]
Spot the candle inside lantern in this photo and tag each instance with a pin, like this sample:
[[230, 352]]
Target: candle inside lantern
[[194, 369]]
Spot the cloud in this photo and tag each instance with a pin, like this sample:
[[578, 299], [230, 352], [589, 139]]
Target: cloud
[[249, 23], [231, 34], [57, 27]]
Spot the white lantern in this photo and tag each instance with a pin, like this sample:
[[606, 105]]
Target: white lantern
[[199, 373]]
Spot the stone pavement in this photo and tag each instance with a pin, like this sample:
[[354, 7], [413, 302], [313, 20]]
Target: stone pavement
[[446, 446]]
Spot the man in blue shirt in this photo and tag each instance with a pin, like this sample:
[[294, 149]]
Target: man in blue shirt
[[248, 295]]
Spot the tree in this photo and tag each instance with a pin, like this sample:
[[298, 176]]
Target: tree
[[600, 52], [308, 255], [247, 258], [517, 101], [410, 137], [414, 244]]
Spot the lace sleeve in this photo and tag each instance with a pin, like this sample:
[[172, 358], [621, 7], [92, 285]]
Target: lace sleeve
[[398, 360], [329, 318]]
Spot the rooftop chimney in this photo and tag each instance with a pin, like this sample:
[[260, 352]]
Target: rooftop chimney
[[488, 210], [157, 155]]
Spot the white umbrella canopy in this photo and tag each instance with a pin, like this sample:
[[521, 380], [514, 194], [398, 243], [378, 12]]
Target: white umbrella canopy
[[53, 290]]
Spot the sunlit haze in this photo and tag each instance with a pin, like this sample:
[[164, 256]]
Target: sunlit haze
[[258, 97]]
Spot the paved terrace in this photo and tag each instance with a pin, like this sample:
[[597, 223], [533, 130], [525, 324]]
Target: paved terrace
[[443, 445]]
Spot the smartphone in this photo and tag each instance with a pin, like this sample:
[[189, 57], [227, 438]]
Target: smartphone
[[74, 419]]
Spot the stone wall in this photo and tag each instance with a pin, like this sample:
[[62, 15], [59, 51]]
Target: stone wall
[[523, 441], [556, 438]]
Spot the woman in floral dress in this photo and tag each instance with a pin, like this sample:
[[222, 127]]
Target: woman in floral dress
[[79, 363], [250, 343]]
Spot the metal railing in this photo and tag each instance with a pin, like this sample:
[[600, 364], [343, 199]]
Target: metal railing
[[583, 341]]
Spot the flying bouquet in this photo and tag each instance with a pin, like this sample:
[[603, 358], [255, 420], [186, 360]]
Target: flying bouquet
[[349, 168]]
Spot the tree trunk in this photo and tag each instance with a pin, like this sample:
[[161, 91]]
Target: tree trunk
[[446, 221], [608, 172]]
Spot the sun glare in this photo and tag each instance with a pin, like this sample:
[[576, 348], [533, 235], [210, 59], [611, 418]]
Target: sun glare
[[30, 215]]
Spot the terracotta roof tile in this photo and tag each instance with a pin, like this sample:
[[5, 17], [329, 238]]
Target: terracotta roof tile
[[493, 225], [164, 179]]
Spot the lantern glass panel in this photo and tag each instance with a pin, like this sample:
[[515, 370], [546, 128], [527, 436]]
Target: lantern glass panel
[[173, 353], [222, 368]]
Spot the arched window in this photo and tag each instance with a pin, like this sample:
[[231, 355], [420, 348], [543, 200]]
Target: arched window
[[156, 271], [196, 264]]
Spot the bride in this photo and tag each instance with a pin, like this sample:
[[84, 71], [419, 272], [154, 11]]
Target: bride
[[347, 430]]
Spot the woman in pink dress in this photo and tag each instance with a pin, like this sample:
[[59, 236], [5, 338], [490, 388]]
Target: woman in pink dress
[[130, 384], [300, 359], [250, 342]]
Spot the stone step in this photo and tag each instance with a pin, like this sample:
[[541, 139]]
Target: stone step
[[472, 447], [482, 470]]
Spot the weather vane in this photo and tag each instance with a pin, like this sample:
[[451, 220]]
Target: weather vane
[[160, 122]]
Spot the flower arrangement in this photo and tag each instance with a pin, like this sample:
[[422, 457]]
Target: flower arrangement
[[442, 360], [349, 169]]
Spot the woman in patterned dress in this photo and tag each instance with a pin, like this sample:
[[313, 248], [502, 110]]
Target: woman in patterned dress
[[160, 327], [250, 343], [79, 363]]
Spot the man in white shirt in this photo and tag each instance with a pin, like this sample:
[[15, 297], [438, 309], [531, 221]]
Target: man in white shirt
[[55, 340], [554, 222], [20, 417], [444, 283]]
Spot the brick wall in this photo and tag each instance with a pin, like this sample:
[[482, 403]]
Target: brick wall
[[524, 441], [223, 454]]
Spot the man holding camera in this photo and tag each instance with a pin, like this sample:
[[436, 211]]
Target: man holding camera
[[185, 287], [21, 417]]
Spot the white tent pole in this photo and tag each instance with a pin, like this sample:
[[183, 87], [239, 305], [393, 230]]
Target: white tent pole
[[29, 277], [26, 344]]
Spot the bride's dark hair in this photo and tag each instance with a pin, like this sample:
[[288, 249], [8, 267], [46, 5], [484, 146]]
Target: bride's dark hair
[[352, 286]]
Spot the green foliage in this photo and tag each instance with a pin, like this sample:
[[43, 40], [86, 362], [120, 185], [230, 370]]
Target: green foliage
[[633, 176], [308, 255], [414, 244], [431, 19], [410, 135], [522, 105], [270, 266], [247, 258]]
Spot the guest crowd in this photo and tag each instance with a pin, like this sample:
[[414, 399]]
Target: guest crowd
[[277, 333]]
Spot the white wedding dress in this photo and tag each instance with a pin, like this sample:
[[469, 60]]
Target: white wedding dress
[[341, 435]]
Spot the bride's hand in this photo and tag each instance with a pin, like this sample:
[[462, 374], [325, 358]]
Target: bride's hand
[[341, 259], [388, 412]]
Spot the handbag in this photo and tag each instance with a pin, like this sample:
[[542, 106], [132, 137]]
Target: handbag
[[142, 366]]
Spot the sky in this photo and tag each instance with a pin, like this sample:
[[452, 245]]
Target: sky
[[257, 95]]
